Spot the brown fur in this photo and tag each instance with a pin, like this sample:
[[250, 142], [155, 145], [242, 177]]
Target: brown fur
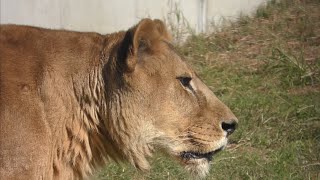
[[71, 101]]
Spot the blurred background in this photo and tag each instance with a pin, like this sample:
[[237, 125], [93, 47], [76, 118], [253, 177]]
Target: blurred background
[[106, 16]]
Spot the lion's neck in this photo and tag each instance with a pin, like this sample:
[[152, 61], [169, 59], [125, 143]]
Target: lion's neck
[[85, 140]]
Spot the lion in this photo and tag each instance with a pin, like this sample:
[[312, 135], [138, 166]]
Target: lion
[[73, 101]]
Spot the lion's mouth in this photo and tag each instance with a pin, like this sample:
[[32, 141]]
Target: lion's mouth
[[187, 155]]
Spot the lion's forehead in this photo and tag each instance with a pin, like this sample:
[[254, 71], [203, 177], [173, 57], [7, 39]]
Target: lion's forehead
[[168, 61]]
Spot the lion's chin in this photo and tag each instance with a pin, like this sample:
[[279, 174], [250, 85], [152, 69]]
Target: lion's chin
[[197, 164], [198, 168]]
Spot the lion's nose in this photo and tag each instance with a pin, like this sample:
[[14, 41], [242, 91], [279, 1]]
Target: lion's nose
[[229, 126]]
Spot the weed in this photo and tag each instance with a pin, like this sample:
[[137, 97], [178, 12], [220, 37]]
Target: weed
[[293, 70], [177, 23]]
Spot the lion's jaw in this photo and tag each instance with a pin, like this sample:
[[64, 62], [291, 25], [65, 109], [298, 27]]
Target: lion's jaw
[[196, 161]]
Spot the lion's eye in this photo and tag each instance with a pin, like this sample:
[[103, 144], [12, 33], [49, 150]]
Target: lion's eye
[[185, 81]]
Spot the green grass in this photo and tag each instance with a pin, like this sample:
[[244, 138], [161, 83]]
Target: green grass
[[267, 70]]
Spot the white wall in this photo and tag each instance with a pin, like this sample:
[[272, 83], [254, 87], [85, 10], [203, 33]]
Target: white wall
[[218, 10], [106, 16]]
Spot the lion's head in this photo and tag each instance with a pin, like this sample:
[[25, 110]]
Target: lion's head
[[157, 102]]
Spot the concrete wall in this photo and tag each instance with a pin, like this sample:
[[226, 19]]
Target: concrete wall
[[105, 16]]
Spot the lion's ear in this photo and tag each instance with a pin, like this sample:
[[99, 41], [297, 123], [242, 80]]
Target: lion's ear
[[148, 34], [144, 37]]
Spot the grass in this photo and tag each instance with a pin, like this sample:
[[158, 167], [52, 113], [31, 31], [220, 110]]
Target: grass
[[266, 68]]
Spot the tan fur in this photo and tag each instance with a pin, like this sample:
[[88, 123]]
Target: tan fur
[[72, 101]]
